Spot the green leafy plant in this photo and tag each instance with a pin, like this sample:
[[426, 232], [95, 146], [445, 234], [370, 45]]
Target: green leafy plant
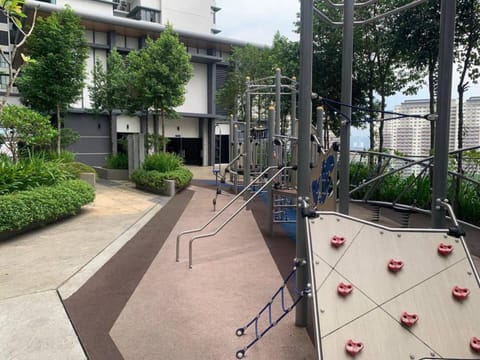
[[154, 181], [25, 126], [30, 173], [75, 168], [162, 162], [43, 205], [117, 161]]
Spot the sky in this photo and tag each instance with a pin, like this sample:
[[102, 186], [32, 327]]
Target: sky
[[257, 21]]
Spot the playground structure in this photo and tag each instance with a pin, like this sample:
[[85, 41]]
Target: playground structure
[[419, 284]]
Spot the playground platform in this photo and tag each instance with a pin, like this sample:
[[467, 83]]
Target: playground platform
[[127, 297]]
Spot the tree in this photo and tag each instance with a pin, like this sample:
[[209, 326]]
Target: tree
[[467, 41], [109, 88], [56, 78], [249, 61], [22, 125], [159, 75], [417, 37], [12, 10]]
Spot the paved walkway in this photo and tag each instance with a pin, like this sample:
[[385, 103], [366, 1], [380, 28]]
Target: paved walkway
[[34, 265]]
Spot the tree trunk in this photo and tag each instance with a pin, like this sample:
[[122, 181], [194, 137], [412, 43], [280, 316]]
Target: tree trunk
[[113, 134], [59, 129], [458, 180], [164, 143], [431, 93], [371, 100]]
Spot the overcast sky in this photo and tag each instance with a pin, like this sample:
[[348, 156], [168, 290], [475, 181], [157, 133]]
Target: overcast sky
[[257, 21]]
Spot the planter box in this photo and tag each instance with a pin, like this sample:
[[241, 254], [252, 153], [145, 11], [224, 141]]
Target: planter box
[[169, 189], [112, 174], [88, 177]]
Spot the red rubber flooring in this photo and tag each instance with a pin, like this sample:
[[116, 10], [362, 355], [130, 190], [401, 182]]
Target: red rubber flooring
[[143, 305]]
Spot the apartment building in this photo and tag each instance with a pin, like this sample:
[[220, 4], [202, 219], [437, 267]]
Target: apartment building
[[125, 24], [411, 136], [471, 110]]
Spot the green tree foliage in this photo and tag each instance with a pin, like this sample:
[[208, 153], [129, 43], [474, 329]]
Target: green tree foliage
[[159, 73], [56, 78], [256, 63], [109, 88], [12, 11], [24, 126]]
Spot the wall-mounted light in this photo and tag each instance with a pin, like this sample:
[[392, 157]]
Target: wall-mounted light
[[178, 128], [99, 126], [128, 126]]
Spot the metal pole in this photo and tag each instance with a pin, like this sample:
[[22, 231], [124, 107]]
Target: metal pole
[[278, 79], [320, 125], [347, 56], [293, 110], [442, 128], [293, 127], [246, 139], [270, 161], [306, 53]]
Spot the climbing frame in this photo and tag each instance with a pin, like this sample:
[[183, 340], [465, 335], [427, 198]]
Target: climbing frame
[[385, 293]]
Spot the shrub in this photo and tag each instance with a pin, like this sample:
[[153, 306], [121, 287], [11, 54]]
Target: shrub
[[44, 204], [155, 181], [162, 162], [64, 156], [30, 173], [117, 161], [75, 168]]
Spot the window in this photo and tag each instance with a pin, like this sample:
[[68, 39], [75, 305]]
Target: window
[[145, 14]]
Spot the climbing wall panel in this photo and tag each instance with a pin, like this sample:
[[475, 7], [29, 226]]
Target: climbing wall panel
[[392, 293]]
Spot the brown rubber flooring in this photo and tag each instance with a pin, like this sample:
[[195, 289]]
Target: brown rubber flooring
[[143, 305]]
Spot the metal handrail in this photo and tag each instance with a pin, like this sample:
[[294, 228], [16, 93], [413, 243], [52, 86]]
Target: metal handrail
[[230, 164], [448, 207], [177, 258], [213, 233]]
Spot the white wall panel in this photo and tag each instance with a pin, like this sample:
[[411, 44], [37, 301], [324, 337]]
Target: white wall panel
[[128, 124], [196, 99], [184, 127]]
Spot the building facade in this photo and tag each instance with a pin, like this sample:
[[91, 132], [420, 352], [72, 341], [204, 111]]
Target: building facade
[[125, 25], [411, 136]]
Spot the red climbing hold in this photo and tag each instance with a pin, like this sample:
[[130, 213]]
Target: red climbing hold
[[460, 293], [353, 347], [475, 344], [337, 241], [395, 265], [344, 289], [408, 319], [444, 249]]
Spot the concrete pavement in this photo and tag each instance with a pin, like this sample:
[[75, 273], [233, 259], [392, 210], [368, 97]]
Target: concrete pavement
[[35, 265]]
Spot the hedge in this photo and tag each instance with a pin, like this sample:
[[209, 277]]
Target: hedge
[[43, 204], [155, 181]]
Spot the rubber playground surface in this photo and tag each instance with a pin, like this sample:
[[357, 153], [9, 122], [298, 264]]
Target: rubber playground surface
[[142, 304]]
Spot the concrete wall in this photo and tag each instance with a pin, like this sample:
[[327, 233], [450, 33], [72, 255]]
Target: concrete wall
[[128, 124], [190, 15], [92, 6], [94, 144], [196, 97]]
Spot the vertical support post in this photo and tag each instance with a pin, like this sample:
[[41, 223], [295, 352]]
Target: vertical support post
[[347, 56], [293, 110], [270, 161], [278, 100], [306, 54], [293, 127], [246, 138], [442, 128], [320, 125]]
